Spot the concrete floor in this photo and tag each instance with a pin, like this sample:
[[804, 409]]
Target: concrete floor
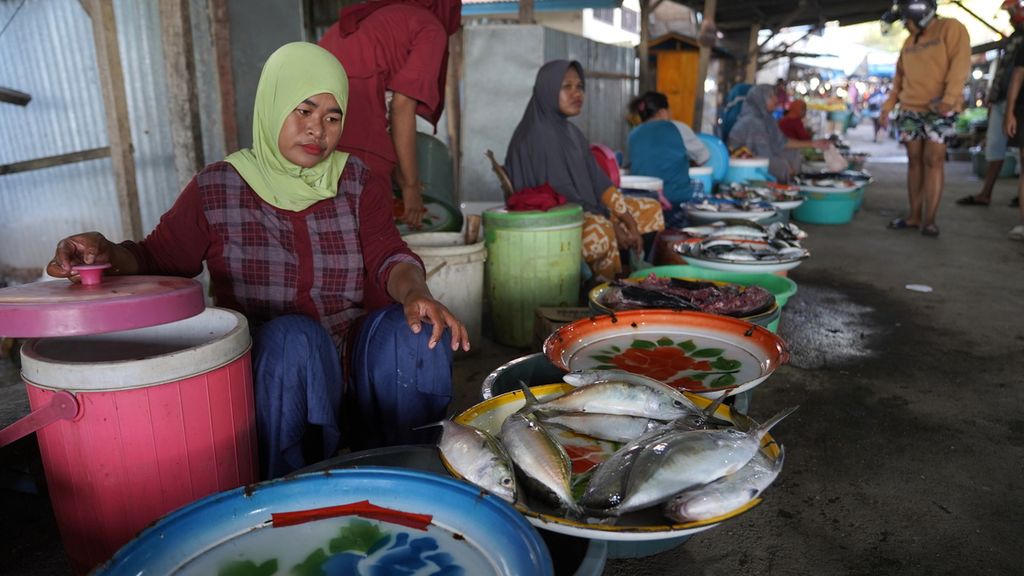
[[907, 454]]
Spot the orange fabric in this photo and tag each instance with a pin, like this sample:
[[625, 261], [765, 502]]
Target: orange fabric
[[600, 247]]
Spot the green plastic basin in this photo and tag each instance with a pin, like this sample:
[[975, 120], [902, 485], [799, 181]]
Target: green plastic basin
[[780, 286]]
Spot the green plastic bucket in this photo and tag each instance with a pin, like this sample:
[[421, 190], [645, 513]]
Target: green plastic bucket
[[827, 207], [780, 286], [534, 259]]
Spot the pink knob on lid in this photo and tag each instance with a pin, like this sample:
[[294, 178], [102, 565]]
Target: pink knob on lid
[[90, 274]]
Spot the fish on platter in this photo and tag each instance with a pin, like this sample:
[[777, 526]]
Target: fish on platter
[[479, 458], [665, 464], [539, 458], [728, 493]]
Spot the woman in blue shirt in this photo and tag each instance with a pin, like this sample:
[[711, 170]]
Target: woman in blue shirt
[[664, 148]]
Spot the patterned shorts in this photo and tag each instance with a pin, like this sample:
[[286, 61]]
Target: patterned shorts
[[921, 125]]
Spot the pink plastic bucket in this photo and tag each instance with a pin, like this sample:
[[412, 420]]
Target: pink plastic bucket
[[165, 417]]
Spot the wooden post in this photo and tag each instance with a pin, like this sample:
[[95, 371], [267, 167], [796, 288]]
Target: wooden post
[[752, 53], [643, 49], [706, 39], [115, 104], [454, 106], [220, 29], [526, 12], [182, 98]]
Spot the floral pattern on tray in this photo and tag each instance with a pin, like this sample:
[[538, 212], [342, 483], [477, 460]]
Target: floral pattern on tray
[[679, 364], [361, 547]]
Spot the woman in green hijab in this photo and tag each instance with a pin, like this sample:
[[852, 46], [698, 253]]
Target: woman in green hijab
[[294, 240]]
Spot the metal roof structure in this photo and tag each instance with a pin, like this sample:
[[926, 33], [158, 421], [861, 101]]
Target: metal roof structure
[[734, 15]]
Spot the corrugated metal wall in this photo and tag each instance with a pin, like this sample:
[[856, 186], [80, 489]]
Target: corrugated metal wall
[[48, 52], [501, 63]]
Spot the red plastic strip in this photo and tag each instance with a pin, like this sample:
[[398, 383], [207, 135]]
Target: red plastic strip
[[363, 509]]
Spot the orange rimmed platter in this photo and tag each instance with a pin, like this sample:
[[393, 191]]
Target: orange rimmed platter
[[701, 353]]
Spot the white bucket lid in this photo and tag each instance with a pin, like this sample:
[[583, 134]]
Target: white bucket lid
[[748, 162], [137, 358], [641, 183], [701, 170]]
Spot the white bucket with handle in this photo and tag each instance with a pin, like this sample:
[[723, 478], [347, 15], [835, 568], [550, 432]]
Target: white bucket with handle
[[455, 274]]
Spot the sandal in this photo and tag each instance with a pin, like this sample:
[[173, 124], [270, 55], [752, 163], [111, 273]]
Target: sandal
[[1017, 233], [900, 224], [930, 230], [970, 200]]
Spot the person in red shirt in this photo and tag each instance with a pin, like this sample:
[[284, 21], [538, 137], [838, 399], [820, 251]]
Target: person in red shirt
[[792, 124], [396, 55], [294, 239]]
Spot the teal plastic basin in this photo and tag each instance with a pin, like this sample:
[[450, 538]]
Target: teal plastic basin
[[827, 208]]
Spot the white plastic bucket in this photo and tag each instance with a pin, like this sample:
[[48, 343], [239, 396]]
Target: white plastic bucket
[[702, 174], [455, 274], [645, 184]]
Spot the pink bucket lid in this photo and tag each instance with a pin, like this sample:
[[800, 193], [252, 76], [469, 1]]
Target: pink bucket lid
[[61, 308]]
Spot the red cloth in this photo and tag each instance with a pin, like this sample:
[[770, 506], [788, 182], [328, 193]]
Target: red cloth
[[793, 127], [606, 161], [265, 262], [541, 198]]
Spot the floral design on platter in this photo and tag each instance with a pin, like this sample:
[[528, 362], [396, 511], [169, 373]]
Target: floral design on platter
[[678, 364], [361, 547]]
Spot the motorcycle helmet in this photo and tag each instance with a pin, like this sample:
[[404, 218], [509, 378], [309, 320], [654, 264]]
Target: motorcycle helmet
[[1016, 10], [920, 12]]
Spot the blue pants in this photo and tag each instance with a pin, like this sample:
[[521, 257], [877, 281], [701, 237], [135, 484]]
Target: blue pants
[[395, 383]]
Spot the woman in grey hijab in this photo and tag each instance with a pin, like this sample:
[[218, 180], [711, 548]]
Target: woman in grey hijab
[[547, 148], [757, 130]]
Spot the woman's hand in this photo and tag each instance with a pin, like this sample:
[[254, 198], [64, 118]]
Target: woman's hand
[[421, 307], [821, 144], [84, 248], [627, 233], [407, 285], [90, 248], [1010, 124]]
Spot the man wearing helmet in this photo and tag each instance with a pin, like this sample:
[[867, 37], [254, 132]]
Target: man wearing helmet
[[995, 137], [930, 75]]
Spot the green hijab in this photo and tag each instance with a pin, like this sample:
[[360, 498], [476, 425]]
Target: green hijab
[[293, 73]]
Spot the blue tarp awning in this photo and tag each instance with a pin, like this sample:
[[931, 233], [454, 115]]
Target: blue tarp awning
[[482, 8]]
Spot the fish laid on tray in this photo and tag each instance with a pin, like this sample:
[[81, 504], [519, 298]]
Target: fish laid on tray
[[681, 294], [668, 455], [762, 190], [739, 242]]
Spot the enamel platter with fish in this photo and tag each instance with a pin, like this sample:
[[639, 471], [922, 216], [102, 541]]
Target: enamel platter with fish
[[660, 514], [743, 247]]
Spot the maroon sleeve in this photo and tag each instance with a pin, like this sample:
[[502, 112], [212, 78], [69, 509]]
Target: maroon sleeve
[[179, 243], [419, 76], [379, 240]]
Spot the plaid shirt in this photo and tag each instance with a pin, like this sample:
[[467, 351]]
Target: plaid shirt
[[266, 262]]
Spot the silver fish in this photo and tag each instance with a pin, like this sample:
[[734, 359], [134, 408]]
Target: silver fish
[[622, 398], [670, 463], [612, 427], [539, 457], [478, 457], [584, 377], [728, 493]]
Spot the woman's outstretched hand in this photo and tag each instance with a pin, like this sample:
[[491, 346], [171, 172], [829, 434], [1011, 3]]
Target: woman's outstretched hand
[[420, 308]]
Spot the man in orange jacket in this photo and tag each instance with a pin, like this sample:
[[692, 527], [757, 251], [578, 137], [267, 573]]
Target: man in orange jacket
[[930, 74]]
